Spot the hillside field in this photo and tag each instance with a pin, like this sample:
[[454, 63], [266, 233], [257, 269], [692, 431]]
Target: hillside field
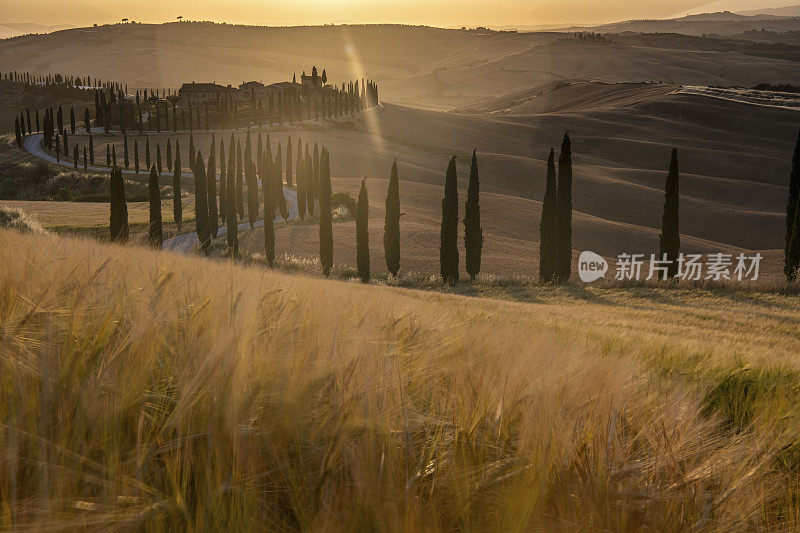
[[148, 390]]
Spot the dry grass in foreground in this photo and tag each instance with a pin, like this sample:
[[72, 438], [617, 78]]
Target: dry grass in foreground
[[154, 391]]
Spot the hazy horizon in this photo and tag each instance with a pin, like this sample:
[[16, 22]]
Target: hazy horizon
[[443, 13]]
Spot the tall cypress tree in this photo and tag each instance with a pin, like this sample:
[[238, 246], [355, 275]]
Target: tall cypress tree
[[252, 187], [230, 208], [211, 187], [791, 260], [147, 152], [177, 200], [279, 198], [91, 150], [391, 227], [169, 156], [301, 185], [108, 154], [670, 238], [309, 185], [86, 120], [289, 162], [72, 120], [223, 183], [325, 216], [125, 156], [231, 174], [191, 152], [473, 234], [548, 227], [85, 161], [158, 158], [564, 219], [448, 247], [269, 208], [201, 204], [362, 233], [239, 181], [17, 133], [75, 156], [119, 208], [155, 235]]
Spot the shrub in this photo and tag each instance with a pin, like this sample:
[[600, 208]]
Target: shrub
[[343, 206], [19, 220]]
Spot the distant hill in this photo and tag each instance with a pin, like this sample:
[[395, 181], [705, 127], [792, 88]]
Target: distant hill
[[788, 11], [13, 29]]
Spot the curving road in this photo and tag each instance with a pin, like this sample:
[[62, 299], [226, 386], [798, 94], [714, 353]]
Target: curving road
[[186, 242]]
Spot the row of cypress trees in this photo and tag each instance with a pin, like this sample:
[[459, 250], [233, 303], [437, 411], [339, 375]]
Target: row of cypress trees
[[555, 228], [791, 262]]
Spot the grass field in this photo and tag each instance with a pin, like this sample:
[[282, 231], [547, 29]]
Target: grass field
[[155, 391]]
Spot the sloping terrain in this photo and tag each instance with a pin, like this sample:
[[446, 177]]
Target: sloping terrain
[[425, 67], [734, 160], [154, 391]]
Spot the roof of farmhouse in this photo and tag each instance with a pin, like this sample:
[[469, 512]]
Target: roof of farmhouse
[[206, 87]]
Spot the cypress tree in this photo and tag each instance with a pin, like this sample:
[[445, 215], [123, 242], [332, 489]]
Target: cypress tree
[[75, 156], [211, 187], [155, 235], [38, 129], [177, 195], [792, 249], [231, 174], [191, 152], [86, 120], [28, 117], [91, 150], [201, 204], [108, 155], [473, 234], [158, 158], [223, 184], [548, 227], [230, 208], [391, 227], [84, 158], [280, 198], [136, 156], [169, 156], [448, 248], [17, 133], [125, 156], [315, 172], [66, 144], [362, 233], [72, 120], [309, 186], [670, 237], [119, 208], [564, 217], [289, 162], [301, 185], [239, 181], [269, 209], [58, 149], [147, 152], [114, 155], [325, 220], [252, 183]]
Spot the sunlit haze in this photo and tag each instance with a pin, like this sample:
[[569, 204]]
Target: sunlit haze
[[446, 13]]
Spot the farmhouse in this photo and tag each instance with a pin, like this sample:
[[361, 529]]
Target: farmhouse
[[205, 92]]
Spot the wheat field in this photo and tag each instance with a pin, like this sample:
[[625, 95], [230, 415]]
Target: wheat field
[[151, 391]]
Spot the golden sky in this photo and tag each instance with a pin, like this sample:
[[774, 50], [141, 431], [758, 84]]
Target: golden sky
[[449, 13]]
